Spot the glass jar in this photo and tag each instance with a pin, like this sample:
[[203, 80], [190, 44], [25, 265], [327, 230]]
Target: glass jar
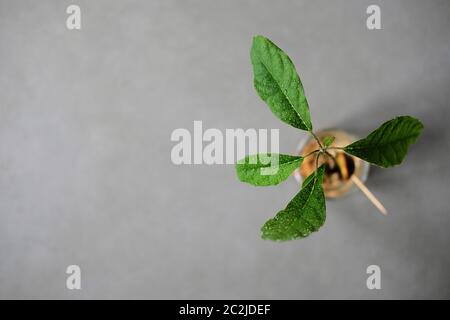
[[337, 179]]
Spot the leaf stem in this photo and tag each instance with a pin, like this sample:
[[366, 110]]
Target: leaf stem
[[330, 155], [336, 148], [317, 159], [317, 140], [312, 152]]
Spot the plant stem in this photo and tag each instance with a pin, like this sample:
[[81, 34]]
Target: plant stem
[[330, 155], [336, 148], [317, 159], [312, 152], [317, 140], [324, 150]]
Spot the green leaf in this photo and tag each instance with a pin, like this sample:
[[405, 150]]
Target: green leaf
[[388, 145], [308, 179], [267, 169], [327, 141], [278, 84], [304, 214]]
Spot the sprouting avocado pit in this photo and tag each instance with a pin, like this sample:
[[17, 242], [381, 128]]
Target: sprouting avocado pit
[[338, 172]]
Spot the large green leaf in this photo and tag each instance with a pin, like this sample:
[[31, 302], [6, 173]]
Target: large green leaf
[[267, 169], [388, 145], [304, 214], [278, 83]]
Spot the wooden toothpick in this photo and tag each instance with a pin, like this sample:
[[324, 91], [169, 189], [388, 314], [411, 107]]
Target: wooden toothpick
[[369, 194]]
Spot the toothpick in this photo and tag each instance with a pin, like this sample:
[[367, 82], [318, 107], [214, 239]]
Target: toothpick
[[369, 194]]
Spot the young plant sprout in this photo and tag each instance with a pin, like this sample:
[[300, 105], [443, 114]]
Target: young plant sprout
[[278, 84]]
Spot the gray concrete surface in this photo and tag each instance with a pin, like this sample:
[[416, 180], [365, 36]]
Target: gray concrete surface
[[85, 170]]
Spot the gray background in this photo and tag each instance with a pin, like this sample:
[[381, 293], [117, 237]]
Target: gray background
[[85, 170]]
